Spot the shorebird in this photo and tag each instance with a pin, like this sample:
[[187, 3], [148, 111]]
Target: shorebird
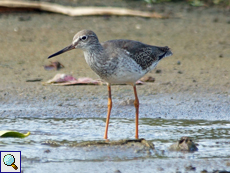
[[117, 62]]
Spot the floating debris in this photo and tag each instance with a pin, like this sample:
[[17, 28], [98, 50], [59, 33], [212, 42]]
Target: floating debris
[[13, 134]]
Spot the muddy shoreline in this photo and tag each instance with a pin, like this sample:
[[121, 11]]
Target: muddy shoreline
[[190, 95]]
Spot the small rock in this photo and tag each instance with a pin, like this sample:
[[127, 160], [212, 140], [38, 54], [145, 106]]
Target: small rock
[[117, 171], [221, 55], [54, 65], [218, 171], [24, 18], [215, 20], [137, 151], [190, 168], [204, 171], [160, 169], [193, 80], [138, 26], [180, 72], [184, 144], [16, 29], [47, 151], [178, 62], [147, 79], [60, 104], [158, 71]]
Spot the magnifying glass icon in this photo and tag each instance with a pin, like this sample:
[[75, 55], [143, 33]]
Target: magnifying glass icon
[[9, 160]]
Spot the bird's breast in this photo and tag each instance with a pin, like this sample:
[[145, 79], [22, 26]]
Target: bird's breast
[[101, 65]]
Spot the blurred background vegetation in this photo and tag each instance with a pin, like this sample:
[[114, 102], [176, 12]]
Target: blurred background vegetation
[[195, 2]]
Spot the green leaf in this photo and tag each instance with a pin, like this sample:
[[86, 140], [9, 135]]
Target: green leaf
[[13, 134]]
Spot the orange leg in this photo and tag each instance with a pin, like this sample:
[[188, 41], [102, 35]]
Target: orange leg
[[136, 104], [109, 111]]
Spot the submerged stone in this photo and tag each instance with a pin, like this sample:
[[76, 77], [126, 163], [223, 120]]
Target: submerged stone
[[128, 142], [184, 144]]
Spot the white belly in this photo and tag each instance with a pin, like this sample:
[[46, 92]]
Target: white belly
[[127, 72]]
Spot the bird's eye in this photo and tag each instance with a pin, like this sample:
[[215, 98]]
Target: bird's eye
[[84, 38]]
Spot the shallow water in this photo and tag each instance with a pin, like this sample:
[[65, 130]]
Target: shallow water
[[56, 128], [213, 138]]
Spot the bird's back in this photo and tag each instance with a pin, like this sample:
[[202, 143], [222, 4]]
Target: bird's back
[[144, 55]]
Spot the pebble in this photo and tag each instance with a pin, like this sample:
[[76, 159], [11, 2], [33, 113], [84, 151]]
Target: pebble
[[215, 20], [147, 79], [47, 151], [190, 168], [24, 18], [204, 171], [158, 71]]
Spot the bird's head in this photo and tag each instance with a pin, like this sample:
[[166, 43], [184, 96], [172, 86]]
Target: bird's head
[[84, 40]]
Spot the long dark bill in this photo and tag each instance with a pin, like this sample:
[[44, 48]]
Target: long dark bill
[[70, 47]]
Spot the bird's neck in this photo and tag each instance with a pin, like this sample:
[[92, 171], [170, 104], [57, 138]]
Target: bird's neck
[[96, 48], [94, 58], [94, 52]]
